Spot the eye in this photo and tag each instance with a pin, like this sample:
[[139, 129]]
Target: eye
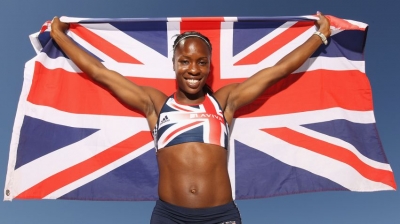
[[184, 62], [203, 63]]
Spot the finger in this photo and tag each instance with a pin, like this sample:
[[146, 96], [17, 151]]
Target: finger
[[320, 14], [54, 18]]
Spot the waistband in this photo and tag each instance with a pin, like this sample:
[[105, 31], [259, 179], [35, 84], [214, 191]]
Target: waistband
[[219, 214]]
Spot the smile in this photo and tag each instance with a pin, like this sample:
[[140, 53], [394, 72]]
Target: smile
[[192, 81]]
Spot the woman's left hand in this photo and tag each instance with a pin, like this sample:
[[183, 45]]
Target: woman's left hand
[[323, 25]]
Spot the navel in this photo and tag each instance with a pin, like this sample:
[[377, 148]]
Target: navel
[[193, 190]]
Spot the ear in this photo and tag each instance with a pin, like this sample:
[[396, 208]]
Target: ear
[[173, 63]]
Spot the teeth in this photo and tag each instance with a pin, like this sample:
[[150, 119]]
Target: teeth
[[192, 81]]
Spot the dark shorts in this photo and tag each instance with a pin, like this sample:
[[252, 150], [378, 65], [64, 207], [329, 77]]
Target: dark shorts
[[166, 213]]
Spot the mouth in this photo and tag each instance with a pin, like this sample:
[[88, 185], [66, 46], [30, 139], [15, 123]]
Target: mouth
[[192, 82]]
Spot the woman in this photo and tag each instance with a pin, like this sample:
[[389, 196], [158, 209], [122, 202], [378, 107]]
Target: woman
[[194, 185]]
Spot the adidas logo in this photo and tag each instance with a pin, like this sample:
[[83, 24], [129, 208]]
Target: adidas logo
[[165, 119]]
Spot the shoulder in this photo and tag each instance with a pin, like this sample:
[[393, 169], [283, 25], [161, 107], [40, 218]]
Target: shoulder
[[222, 94], [157, 97], [153, 91], [156, 100], [223, 97], [155, 94]]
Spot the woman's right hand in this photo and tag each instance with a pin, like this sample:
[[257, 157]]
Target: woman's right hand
[[58, 26]]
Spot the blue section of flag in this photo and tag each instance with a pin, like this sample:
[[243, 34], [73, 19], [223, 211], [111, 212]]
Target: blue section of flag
[[153, 35], [357, 43], [242, 30], [364, 137], [259, 175], [44, 38], [135, 180], [53, 50], [38, 138], [348, 44]]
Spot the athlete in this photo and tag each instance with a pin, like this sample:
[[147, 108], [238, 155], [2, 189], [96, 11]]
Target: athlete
[[194, 185]]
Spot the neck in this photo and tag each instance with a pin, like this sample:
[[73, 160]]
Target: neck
[[186, 98]]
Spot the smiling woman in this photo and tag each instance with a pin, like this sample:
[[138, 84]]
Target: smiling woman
[[192, 60], [194, 183]]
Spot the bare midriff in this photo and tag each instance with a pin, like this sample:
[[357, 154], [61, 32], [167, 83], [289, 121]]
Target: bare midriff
[[194, 175]]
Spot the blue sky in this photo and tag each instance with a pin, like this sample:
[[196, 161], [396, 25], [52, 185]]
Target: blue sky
[[23, 17]]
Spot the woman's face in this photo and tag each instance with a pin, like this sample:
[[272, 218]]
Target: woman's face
[[192, 59]]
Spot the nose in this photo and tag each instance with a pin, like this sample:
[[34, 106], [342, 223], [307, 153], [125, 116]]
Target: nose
[[194, 69]]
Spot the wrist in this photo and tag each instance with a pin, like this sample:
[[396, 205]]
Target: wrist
[[322, 36], [326, 33]]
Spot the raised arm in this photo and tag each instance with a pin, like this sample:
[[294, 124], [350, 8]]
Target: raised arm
[[234, 96], [144, 99]]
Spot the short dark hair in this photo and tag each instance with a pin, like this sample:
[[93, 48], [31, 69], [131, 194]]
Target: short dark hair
[[191, 34]]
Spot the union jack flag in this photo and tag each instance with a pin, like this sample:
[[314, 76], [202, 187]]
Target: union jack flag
[[312, 131]]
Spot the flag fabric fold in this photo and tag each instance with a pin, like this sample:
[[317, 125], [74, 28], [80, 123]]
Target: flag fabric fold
[[312, 131]]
